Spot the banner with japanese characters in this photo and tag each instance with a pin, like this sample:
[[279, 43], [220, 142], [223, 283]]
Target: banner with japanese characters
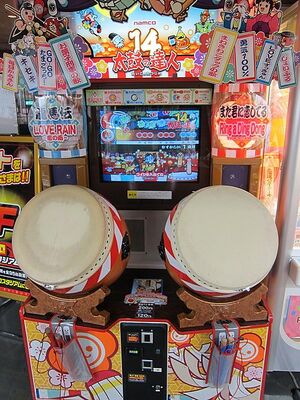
[[18, 184], [245, 61], [69, 62], [10, 75], [28, 71], [241, 121], [147, 45], [56, 122], [286, 69], [47, 68]]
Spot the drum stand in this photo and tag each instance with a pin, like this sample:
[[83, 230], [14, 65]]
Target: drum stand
[[248, 307], [84, 307]]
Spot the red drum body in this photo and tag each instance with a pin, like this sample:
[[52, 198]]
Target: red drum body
[[70, 240], [219, 241]]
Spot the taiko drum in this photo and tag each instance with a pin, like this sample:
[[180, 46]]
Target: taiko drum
[[219, 241], [70, 240]]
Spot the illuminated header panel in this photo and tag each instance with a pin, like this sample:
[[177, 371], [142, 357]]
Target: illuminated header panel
[[149, 145]]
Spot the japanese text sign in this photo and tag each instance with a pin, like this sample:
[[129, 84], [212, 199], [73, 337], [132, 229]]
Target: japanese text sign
[[267, 62], [69, 62], [28, 71], [245, 62], [286, 69], [46, 67], [218, 56], [17, 186], [55, 123], [10, 73]]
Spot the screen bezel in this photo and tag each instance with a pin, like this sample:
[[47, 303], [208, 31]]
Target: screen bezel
[[116, 192]]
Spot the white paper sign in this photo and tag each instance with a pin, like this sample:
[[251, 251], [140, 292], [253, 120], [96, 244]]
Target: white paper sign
[[10, 73], [69, 62], [267, 63], [218, 55], [46, 67], [286, 69], [28, 71], [244, 54]]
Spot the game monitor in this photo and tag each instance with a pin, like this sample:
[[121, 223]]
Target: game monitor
[[149, 157]]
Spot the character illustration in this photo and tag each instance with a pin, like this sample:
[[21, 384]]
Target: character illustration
[[176, 8], [40, 8], [240, 13], [203, 26], [116, 40], [267, 19], [118, 8], [26, 24], [181, 40], [235, 15], [90, 22]]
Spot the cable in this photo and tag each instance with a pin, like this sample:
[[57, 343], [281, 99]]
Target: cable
[[11, 335], [6, 302], [294, 380]]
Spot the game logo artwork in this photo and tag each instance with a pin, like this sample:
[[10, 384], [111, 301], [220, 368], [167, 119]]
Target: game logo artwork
[[149, 145], [18, 184]]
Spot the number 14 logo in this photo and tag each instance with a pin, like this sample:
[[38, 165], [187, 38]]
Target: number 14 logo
[[150, 43]]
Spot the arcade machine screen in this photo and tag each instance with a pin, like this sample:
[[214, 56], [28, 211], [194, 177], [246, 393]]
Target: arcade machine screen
[[149, 144]]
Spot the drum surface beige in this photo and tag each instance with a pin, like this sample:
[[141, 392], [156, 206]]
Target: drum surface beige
[[225, 238], [60, 234]]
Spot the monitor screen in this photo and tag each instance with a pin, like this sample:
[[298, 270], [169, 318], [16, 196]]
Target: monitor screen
[[149, 145]]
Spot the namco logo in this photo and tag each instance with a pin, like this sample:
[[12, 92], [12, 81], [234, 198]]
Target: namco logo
[[8, 216], [145, 22]]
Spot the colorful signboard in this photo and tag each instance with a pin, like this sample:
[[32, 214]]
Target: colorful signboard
[[56, 122], [18, 184], [241, 122], [188, 356], [148, 45]]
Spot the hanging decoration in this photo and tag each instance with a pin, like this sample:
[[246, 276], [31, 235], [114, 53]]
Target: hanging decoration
[[37, 26], [155, 48], [122, 40]]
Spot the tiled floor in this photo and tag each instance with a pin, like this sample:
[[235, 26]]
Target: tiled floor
[[14, 381]]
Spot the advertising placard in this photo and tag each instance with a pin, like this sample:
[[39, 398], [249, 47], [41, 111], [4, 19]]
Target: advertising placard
[[19, 181]]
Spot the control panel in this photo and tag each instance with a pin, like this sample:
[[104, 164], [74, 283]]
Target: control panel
[[144, 360]]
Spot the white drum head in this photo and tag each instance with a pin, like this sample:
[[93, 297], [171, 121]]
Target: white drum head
[[62, 236], [225, 238]]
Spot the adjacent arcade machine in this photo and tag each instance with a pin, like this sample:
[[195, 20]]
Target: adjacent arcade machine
[[200, 335]]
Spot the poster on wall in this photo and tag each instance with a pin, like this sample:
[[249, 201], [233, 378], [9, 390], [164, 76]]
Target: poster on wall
[[56, 122], [18, 184]]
